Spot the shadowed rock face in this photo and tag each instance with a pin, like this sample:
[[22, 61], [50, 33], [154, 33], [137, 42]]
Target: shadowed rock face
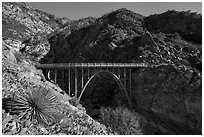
[[187, 24], [169, 94]]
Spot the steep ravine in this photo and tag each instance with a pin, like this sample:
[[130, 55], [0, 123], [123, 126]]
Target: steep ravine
[[167, 98], [158, 111], [170, 93], [107, 105]]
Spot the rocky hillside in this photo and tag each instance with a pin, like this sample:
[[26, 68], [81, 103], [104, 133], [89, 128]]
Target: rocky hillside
[[186, 23], [171, 93], [108, 33], [32, 105], [23, 23]]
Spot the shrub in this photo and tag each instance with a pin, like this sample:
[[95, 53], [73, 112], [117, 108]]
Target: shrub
[[121, 120], [40, 105]]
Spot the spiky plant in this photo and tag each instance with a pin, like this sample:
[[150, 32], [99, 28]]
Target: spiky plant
[[40, 105]]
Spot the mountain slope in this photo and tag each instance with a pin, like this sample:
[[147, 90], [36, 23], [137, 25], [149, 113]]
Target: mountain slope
[[31, 104], [121, 36], [21, 22], [187, 24], [21, 79]]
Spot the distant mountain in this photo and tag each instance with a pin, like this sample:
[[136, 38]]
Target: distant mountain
[[21, 22]]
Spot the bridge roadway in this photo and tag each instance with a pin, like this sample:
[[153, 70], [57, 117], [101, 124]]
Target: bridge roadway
[[73, 65]]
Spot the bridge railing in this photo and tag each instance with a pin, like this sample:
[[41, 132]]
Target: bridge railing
[[74, 65]]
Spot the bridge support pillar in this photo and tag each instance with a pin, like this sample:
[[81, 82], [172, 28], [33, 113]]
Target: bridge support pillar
[[130, 84], [63, 83], [88, 73], [119, 73], [55, 79], [82, 78], [124, 77], [69, 81], [75, 69]]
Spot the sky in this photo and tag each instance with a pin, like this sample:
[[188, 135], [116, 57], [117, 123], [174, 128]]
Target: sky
[[76, 10]]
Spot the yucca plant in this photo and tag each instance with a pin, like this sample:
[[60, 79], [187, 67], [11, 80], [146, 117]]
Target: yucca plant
[[39, 105]]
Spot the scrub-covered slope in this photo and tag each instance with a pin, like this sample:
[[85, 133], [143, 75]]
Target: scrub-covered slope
[[22, 23], [32, 105]]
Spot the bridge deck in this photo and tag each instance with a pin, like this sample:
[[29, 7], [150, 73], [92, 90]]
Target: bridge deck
[[74, 65]]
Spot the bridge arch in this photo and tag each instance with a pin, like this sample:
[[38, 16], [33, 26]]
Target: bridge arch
[[117, 80]]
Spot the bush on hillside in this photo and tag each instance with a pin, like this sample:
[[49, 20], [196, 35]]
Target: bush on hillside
[[121, 120]]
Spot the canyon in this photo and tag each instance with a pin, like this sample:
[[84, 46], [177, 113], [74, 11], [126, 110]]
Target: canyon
[[168, 97]]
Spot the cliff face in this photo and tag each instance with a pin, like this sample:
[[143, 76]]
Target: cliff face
[[170, 93]]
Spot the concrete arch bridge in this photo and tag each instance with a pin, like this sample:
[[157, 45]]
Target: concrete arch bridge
[[79, 75]]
